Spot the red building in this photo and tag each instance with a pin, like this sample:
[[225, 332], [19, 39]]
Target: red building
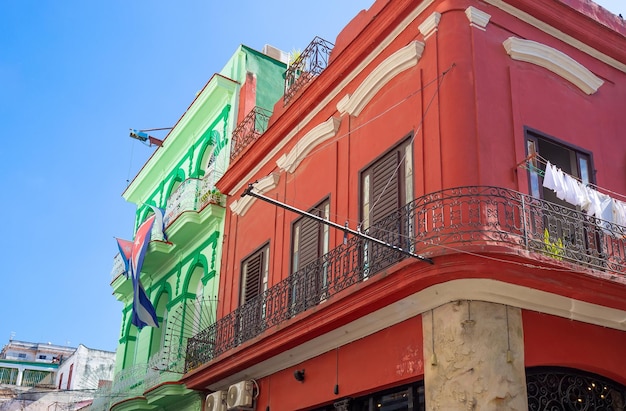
[[469, 158]]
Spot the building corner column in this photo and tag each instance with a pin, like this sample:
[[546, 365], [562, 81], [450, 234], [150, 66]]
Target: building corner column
[[474, 357]]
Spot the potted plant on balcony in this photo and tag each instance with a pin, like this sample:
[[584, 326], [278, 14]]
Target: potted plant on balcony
[[553, 248]]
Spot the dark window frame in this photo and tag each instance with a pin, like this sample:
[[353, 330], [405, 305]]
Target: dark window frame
[[538, 137], [263, 254], [387, 221], [297, 224]]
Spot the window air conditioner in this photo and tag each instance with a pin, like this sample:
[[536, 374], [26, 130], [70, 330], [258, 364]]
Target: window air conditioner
[[240, 395], [216, 401]]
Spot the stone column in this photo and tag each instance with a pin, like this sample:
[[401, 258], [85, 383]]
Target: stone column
[[20, 375], [474, 357]]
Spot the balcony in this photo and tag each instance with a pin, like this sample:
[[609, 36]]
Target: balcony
[[309, 64], [193, 195], [248, 131], [445, 222]]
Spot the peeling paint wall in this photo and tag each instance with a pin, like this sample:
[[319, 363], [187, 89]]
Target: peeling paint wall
[[474, 357]]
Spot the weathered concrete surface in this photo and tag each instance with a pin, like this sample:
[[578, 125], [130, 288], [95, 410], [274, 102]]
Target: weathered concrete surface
[[476, 364]]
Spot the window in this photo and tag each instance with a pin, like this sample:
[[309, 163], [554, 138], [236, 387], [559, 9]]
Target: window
[[558, 226], [69, 376], [407, 398], [386, 187], [254, 270], [254, 275], [310, 241], [42, 357], [21, 355], [572, 161]]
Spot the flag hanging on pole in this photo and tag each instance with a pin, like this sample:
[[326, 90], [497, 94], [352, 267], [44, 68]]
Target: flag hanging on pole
[[159, 222], [143, 310], [125, 247]]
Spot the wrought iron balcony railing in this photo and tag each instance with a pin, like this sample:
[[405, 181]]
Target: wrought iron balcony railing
[[192, 195], [309, 64], [118, 267], [249, 130], [438, 223]]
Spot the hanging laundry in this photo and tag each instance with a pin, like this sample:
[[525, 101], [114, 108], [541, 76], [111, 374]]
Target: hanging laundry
[[549, 178]]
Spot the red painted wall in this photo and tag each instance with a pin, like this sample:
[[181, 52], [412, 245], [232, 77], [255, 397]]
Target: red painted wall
[[358, 368], [555, 341], [468, 128]]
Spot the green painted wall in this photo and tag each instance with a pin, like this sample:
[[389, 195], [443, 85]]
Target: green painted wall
[[193, 266]]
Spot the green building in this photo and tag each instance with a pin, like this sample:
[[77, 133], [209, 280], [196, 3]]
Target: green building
[[180, 273]]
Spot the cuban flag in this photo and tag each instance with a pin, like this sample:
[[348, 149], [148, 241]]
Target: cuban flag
[[143, 310], [159, 222], [125, 248]]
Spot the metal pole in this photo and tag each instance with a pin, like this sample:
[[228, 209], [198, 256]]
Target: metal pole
[[248, 191]]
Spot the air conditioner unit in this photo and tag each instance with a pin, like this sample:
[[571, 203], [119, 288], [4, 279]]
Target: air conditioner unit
[[240, 395], [216, 401]]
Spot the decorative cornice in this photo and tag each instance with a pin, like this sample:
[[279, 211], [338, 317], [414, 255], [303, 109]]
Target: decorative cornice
[[267, 183], [319, 134], [554, 60], [477, 18], [429, 25], [232, 188], [393, 65], [556, 33]]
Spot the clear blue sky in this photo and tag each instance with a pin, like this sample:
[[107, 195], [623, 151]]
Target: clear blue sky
[[75, 75]]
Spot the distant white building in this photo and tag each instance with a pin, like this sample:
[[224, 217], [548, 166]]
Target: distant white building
[[65, 378], [86, 369], [26, 364]]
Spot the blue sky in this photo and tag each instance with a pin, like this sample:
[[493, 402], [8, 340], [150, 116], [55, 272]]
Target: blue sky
[[75, 75]]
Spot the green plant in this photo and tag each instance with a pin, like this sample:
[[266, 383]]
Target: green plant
[[554, 249]]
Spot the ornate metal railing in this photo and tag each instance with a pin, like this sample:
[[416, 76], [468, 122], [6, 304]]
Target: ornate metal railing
[[564, 389], [308, 65], [249, 130], [438, 223], [118, 267], [129, 382], [192, 195]]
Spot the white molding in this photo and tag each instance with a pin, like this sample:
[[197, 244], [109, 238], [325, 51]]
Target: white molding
[[554, 60], [401, 60], [340, 87], [267, 183], [546, 28], [475, 289], [317, 135], [477, 18], [417, 12], [429, 25]]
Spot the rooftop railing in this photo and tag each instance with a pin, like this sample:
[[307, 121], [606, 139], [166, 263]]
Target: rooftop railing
[[249, 130], [308, 65], [443, 222]]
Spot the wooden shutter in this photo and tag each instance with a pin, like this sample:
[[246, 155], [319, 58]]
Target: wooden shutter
[[385, 192], [309, 241], [253, 268]]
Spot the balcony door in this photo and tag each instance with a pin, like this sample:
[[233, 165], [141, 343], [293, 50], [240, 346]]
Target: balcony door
[[560, 227], [309, 276]]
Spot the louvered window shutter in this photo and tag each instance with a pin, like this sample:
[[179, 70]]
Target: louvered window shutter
[[385, 192], [309, 241], [253, 271]]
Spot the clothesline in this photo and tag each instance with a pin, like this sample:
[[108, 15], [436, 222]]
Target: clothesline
[[528, 165]]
